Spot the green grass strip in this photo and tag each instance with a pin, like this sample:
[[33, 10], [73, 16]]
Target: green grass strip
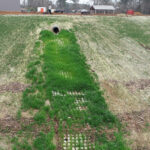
[[60, 75]]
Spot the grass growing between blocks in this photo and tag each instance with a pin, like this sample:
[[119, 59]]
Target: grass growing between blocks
[[68, 99]]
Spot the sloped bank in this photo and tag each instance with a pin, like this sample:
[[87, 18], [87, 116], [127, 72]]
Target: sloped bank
[[68, 100]]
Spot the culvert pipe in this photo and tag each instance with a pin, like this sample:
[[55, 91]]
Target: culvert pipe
[[56, 29]]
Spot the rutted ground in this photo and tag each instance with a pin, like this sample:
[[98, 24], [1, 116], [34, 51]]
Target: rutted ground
[[120, 60]]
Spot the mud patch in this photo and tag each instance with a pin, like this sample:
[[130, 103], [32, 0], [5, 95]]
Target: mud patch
[[138, 126], [133, 85], [140, 84], [137, 120], [13, 87], [11, 126]]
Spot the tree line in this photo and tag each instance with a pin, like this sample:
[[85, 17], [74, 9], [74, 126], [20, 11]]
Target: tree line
[[142, 6]]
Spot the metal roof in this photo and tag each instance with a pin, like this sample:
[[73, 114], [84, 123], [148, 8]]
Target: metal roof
[[84, 10], [103, 7]]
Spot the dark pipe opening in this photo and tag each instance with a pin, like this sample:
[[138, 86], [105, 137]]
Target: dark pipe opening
[[55, 30]]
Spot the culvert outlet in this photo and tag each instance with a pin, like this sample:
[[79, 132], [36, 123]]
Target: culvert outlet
[[56, 30]]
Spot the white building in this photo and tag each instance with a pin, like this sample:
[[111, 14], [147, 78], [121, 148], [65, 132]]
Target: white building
[[97, 9]]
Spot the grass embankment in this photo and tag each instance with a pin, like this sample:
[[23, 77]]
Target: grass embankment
[[67, 97], [134, 28], [118, 51], [14, 36]]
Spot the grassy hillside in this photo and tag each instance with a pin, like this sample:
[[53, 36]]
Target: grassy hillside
[[117, 51]]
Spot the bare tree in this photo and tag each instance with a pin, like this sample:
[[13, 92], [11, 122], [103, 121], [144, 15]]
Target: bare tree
[[38, 3], [146, 6], [137, 5], [124, 1], [102, 2], [61, 4], [75, 3], [126, 4]]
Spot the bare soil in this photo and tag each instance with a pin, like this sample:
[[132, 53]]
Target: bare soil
[[140, 84], [11, 126], [138, 128], [13, 87], [138, 120]]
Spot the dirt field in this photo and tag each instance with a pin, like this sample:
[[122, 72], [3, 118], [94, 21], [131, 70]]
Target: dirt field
[[117, 50]]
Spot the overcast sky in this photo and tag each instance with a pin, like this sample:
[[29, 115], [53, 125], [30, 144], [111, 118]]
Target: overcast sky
[[81, 1]]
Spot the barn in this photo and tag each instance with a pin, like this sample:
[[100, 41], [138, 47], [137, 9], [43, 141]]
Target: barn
[[10, 5], [97, 9]]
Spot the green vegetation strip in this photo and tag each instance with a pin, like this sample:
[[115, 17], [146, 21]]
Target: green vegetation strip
[[69, 102]]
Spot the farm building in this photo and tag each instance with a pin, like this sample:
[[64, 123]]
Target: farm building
[[96, 9], [10, 5]]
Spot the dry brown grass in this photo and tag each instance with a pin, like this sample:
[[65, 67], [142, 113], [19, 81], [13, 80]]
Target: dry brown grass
[[122, 66], [5, 142], [10, 103]]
